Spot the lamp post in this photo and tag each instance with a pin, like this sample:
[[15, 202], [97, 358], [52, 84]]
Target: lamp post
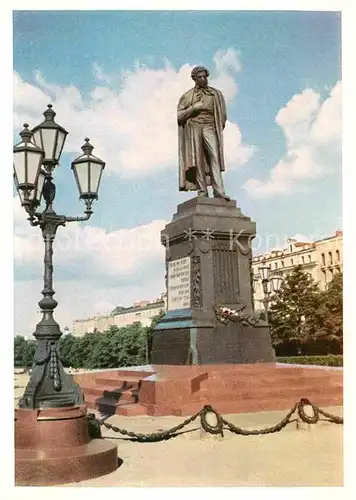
[[269, 284], [35, 159], [53, 404]]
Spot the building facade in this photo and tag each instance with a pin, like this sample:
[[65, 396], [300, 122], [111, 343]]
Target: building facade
[[321, 258], [140, 312]]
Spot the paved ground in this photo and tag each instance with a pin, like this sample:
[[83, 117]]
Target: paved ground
[[291, 457]]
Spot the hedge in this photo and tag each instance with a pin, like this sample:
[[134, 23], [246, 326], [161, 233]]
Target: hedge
[[329, 360]]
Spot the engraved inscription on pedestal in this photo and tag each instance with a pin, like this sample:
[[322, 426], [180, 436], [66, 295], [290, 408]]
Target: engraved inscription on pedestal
[[179, 284]]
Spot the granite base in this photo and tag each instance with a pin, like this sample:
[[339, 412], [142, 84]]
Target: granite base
[[53, 447]]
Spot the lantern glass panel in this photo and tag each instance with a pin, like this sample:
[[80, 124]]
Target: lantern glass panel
[[34, 160], [264, 272], [48, 138], [95, 174], [60, 143], [37, 138], [19, 166], [82, 170], [37, 193], [276, 283]]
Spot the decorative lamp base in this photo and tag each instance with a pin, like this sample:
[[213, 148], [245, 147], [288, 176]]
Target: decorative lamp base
[[53, 447]]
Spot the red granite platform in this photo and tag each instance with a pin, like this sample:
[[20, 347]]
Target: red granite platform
[[230, 388]]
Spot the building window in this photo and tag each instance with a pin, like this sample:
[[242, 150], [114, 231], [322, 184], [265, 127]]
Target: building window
[[291, 262], [337, 256], [303, 260], [290, 248], [330, 258], [323, 259], [276, 265], [282, 263], [309, 256]]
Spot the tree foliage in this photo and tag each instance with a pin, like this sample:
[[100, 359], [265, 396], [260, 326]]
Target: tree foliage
[[112, 348], [115, 347], [331, 311], [24, 351], [305, 320]]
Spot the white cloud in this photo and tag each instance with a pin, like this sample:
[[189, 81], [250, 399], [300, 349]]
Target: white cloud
[[131, 123], [100, 75], [301, 238], [94, 270], [312, 128], [91, 251]]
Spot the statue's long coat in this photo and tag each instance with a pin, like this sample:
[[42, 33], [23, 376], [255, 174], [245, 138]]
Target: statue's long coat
[[188, 159]]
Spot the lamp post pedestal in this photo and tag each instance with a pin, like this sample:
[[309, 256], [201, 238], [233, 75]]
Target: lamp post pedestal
[[53, 446]]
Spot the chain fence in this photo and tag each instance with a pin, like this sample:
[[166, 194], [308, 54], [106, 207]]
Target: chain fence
[[221, 424]]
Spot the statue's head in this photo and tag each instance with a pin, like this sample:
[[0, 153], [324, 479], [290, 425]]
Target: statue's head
[[200, 75]]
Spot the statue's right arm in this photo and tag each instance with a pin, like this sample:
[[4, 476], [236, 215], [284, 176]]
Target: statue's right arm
[[184, 112]]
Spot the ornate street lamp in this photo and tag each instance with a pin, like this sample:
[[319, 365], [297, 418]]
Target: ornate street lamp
[[50, 137], [270, 284], [52, 415], [276, 281], [28, 158], [35, 159], [87, 170]]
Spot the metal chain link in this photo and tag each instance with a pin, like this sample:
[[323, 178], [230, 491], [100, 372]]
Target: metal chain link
[[220, 422], [154, 437]]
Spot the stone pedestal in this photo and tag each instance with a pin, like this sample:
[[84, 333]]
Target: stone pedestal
[[208, 259], [53, 446]]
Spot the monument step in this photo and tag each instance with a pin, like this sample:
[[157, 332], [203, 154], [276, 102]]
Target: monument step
[[106, 405], [243, 383], [254, 405], [118, 394], [301, 390], [124, 382], [92, 400], [129, 410], [129, 372]]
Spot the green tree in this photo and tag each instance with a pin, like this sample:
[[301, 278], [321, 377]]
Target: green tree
[[19, 350], [68, 348], [331, 314], [31, 350], [294, 317], [24, 351]]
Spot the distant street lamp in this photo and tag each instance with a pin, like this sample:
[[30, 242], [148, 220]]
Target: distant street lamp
[[35, 159], [269, 284]]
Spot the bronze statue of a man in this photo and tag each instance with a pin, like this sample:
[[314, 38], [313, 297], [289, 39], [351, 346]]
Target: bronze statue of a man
[[201, 121]]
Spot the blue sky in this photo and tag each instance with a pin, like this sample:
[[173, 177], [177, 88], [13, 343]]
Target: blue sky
[[116, 76]]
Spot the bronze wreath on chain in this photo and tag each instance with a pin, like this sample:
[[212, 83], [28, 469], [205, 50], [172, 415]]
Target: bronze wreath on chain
[[309, 420], [223, 314], [213, 429]]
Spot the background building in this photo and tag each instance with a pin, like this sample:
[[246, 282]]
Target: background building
[[321, 258], [143, 312]]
